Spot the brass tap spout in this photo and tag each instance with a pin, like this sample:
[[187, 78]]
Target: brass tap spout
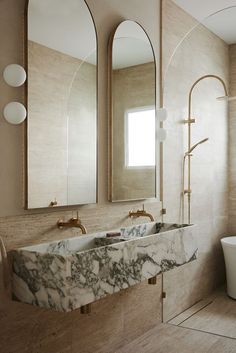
[[141, 213], [72, 223]]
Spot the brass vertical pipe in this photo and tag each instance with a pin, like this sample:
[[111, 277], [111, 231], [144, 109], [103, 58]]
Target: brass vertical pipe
[[189, 157], [161, 93]]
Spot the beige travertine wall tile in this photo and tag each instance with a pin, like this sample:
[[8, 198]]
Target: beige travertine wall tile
[[21, 231], [201, 53]]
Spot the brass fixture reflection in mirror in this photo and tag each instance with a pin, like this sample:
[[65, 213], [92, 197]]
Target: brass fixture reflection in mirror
[[62, 104], [72, 223], [188, 154], [141, 213], [132, 116]]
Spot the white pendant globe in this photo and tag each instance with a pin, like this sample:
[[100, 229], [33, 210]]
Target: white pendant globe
[[14, 75], [14, 113]]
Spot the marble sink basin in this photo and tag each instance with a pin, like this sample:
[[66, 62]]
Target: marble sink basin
[[67, 274]]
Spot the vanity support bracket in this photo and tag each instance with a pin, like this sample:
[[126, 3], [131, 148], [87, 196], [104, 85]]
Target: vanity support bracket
[[152, 280], [86, 309]]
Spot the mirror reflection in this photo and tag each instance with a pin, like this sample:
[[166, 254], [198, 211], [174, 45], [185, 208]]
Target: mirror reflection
[[62, 100], [133, 116]]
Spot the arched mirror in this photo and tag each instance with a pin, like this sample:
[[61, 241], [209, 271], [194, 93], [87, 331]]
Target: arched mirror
[[62, 104], [132, 163]]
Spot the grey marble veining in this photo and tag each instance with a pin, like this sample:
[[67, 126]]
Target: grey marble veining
[[68, 274]]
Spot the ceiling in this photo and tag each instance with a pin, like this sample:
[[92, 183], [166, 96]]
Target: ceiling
[[222, 24]]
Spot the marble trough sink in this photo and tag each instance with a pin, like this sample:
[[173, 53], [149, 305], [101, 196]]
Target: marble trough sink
[[67, 274]]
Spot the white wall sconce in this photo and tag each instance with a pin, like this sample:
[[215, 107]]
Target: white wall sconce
[[161, 135], [162, 114], [14, 75], [14, 113]]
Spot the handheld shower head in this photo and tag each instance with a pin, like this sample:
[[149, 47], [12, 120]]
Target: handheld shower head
[[196, 144]]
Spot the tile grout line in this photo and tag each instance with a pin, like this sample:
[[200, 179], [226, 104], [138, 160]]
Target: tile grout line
[[203, 307], [196, 312], [209, 333]]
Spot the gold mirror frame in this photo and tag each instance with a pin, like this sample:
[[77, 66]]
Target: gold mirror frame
[[110, 117], [25, 143]]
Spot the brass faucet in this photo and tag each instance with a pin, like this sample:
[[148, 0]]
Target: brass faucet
[[72, 223], [141, 213]]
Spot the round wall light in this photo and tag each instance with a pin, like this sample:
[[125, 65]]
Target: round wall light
[[162, 114], [14, 113], [161, 135], [14, 75]]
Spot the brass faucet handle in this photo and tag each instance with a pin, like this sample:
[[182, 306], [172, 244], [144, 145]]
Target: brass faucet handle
[[77, 216]]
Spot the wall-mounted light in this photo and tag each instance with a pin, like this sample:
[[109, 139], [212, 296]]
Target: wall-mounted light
[[14, 113], [14, 75], [161, 135], [162, 114]]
